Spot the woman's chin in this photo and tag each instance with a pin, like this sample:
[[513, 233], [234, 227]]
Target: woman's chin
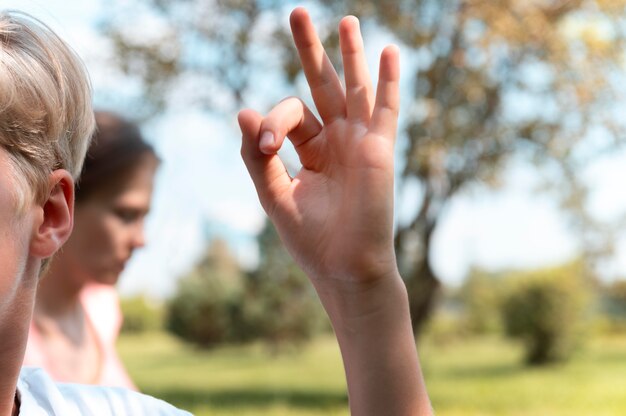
[[109, 278]]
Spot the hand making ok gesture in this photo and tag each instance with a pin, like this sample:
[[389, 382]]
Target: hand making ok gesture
[[336, 215]]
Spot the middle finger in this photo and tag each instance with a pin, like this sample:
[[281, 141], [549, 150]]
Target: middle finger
[[359, 91]]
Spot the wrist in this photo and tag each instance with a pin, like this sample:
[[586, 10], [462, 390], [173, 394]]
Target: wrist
[[353, 303], [373, 326]]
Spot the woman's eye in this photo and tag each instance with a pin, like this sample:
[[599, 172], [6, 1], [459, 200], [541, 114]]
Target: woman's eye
[[126, 215]]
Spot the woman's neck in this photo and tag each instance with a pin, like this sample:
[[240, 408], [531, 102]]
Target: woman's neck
[[57, 295]]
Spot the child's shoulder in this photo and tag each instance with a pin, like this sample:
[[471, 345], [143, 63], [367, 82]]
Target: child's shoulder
[[40, 395]]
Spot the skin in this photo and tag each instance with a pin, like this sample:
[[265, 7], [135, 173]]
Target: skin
[[109, 226], [346, 184], [25, 240]]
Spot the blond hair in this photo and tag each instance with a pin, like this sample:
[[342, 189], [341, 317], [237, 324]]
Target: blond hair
[[46, 118]]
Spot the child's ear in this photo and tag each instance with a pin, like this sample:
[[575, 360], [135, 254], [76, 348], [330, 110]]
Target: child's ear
[[54, 223]]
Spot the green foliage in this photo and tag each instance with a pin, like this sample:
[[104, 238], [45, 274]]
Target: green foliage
[[613, 306], [202, 312], [207, 308], [140, 315], [444, 328], [283, 309], [219, 303], [281, 304], [546, 309], [482, 296]]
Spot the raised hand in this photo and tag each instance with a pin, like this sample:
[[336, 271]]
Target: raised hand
[[336, 215]]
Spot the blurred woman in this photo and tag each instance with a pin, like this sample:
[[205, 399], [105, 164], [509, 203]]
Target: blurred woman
[[77, 316]]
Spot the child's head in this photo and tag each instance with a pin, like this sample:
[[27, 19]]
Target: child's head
[[46, 118]]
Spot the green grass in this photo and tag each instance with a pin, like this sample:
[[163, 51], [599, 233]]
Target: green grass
[[485, 377], [244, 380], [468, 377]]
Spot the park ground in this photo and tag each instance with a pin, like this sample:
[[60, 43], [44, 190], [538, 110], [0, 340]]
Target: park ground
[[465, 377]]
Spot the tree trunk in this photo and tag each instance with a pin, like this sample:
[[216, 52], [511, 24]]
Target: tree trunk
[[423, 288], [414, 264]]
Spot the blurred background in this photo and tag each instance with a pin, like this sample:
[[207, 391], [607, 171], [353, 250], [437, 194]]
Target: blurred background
[[511, 204]]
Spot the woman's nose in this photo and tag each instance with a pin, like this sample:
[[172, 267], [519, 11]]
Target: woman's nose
[[138, 236]]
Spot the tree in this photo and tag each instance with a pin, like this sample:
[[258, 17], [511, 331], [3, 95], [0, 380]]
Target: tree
[[281, 304], [140, 315], [547, 310], [489, 80], [207, 306], [217, 302]]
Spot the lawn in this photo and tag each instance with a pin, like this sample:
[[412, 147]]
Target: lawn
[[469, 377]]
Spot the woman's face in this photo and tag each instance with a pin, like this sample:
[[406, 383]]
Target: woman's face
[[109, 226]]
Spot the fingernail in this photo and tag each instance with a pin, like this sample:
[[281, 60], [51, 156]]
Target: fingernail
[[267, 140]]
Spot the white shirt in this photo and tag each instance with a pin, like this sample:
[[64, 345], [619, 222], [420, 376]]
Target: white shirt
[[40, 396]]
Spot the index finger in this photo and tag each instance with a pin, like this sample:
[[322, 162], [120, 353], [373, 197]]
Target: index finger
[[323, 80]]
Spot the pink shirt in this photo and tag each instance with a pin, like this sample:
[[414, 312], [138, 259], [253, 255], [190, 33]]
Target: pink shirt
[[102, 309]]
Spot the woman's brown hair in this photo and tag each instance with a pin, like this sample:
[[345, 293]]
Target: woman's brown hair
[[116, 149]]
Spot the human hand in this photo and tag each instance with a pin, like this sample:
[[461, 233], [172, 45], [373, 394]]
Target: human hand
[[336, 215]]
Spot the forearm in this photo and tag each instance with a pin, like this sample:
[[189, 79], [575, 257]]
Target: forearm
[[373, 327]]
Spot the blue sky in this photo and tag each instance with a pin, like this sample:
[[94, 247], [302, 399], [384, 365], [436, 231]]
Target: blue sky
[[203, 189]]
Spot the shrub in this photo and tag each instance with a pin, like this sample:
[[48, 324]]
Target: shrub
[[444, 328], [207, 306], [613, 307], [283, 309], [281, 304], [481, 299], [140, 315], [204, 312], [218, 303], [546, 309]]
